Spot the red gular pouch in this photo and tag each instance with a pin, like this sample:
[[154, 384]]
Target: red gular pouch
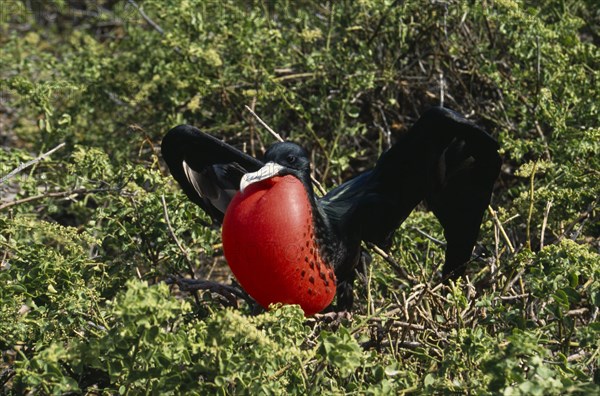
[[269, 244]]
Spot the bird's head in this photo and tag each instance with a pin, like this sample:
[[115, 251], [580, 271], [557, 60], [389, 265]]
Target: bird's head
[[281, 159]]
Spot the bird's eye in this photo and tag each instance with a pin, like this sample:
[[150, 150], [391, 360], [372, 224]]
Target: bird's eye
[[291, 159]]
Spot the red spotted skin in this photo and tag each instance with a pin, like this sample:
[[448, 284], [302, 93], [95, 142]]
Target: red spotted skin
[[269, 244]]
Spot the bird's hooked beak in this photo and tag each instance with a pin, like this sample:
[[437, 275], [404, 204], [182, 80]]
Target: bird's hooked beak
[[269, 170]]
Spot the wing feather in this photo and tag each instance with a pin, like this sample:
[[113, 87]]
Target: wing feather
[[207, 169], [444, 160]]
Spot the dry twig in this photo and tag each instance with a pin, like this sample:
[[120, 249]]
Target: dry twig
[[501, 228], [401, 271], [544, 223], [185, 253], [58, 194], [229, 292], [280, 139], [146, 17], [29, 163]]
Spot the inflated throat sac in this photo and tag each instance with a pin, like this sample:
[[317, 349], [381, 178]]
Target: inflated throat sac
[[269, 244]]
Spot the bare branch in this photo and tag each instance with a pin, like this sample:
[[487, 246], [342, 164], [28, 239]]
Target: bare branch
[[280, 139], [391, 261], [58, 194], [29, 163], [502, 231], [544, 223], [426, 235], [229, 292], [146, 17], [264, 124], [179, 245]]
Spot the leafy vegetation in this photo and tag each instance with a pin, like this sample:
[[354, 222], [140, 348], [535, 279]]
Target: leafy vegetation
[[91, 235]]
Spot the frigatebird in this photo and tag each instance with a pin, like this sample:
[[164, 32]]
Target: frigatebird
[[285, 244]]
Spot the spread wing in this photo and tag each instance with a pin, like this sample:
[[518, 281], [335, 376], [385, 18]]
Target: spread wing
[[443, 159], [207, 169]]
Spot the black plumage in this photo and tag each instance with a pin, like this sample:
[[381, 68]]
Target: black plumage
[[444, 160]]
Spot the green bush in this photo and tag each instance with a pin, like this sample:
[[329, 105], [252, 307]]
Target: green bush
[[95, 238]]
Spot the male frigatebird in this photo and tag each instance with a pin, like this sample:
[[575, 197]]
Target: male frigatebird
[[284, 244]]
